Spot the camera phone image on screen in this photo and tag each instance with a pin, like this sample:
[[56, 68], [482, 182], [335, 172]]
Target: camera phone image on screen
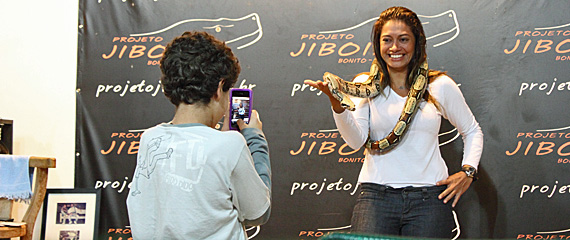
[[240, 108]]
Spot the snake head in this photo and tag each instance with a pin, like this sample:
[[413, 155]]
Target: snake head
[[347, 106], [334, 87]]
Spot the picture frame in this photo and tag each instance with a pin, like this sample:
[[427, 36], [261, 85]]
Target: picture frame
[[71, 214]]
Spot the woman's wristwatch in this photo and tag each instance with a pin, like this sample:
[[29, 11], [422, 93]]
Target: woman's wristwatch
[[470, 171]]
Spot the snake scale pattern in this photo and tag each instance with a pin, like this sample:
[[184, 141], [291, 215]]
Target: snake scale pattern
[[370, 88]]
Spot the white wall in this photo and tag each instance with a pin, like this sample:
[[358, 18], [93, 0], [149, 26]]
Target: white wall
[[38, 69]]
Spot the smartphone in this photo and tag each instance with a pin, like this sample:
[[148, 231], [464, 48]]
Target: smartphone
[[240, 106]]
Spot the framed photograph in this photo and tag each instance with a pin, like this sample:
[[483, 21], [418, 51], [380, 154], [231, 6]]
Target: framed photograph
[[71, 214]]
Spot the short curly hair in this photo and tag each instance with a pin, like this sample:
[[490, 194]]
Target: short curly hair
[[193, 65]]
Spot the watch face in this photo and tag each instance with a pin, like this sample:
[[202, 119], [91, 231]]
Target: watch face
[[470, 171]]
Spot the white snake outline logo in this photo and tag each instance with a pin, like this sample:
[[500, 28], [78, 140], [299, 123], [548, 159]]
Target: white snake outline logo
[[553, 27], [217, 28], [451, 14]]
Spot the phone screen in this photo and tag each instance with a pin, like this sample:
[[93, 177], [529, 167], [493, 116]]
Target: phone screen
[[240, 106]]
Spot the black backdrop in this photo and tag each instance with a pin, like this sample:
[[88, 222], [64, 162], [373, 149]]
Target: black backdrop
[[510, 59]]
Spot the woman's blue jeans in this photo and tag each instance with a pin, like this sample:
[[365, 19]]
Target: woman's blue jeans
[[410, 211]]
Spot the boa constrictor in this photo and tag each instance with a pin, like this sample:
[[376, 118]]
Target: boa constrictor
[[370, 88]]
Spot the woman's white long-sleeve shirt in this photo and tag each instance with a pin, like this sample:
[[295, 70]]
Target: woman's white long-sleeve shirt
[[416, 160]]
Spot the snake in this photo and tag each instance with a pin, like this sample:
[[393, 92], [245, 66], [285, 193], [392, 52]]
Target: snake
[[341, 90]]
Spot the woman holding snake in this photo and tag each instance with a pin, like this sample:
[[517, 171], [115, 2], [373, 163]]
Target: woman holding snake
[[405, 185]]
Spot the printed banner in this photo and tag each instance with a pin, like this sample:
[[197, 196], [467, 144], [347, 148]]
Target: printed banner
[[509, 58]]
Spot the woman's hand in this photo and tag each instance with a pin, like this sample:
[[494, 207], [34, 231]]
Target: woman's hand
[[323, 86], [457, 184]]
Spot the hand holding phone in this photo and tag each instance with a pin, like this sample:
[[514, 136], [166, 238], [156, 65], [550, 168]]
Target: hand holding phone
[[240, 106], [254, 122]]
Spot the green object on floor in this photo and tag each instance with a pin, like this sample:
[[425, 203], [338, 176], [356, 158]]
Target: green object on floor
[[361, 236]]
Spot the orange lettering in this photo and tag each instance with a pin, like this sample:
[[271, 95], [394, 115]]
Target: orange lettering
[[134, 148], [563, 146], [327, 49], [541, 148], [546, 47], [151, 51], [137, 51], [560, 44], [340, 51], [327, 147]]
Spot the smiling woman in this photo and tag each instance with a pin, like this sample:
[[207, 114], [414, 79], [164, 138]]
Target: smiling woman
[[410, 179], [396, 49]]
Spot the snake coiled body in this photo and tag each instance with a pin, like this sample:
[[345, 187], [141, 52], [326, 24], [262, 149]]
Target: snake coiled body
[[370, 88]]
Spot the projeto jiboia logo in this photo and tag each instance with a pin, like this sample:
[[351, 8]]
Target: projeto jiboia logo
[[542, 40], [552, 143], [238, 33], [351, 43]]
